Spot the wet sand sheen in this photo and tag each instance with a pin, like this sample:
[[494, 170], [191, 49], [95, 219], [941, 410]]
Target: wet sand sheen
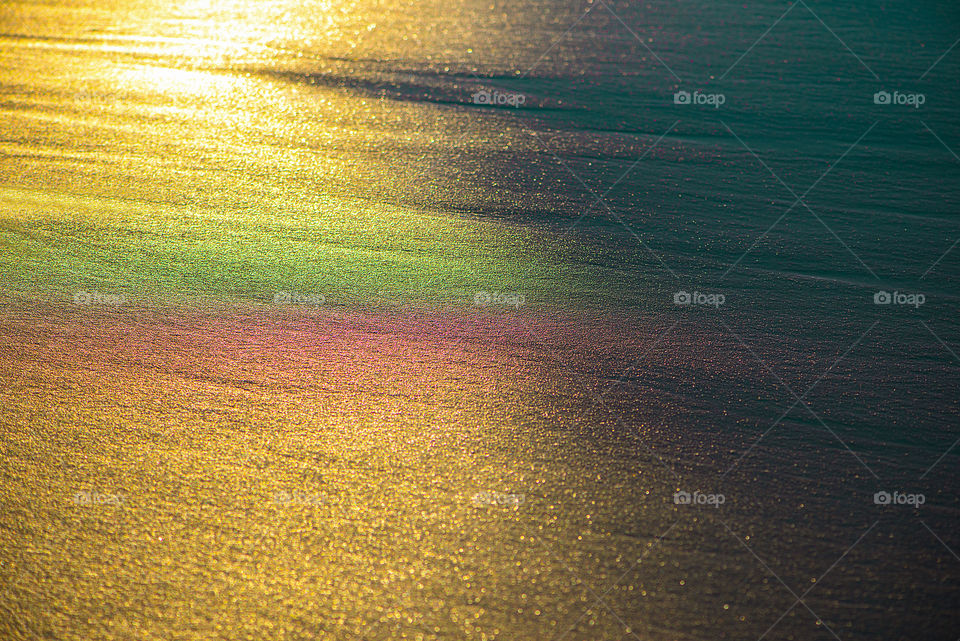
[[274, 474], [287, 453], [265, 374]]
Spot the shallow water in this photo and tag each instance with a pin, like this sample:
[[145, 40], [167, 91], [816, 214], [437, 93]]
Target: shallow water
[[302, 342]]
